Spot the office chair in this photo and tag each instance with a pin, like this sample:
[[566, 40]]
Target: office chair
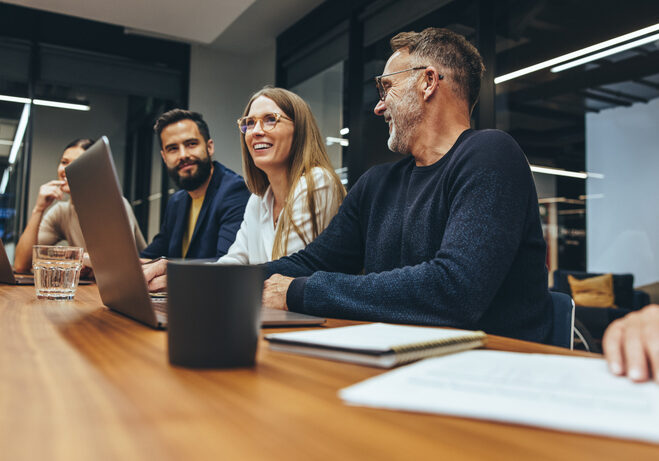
[[563, 330]]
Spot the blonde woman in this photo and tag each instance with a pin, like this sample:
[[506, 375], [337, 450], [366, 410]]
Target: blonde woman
[[295, 191]]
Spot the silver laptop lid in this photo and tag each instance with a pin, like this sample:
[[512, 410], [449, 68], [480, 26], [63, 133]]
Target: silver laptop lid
[[105, 225], [6, 271]]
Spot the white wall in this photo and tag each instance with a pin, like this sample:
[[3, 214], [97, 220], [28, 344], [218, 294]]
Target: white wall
[[623, 225], [221, 83], [54, 128]]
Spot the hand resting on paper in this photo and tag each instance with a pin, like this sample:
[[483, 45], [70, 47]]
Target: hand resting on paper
[[631, 345]]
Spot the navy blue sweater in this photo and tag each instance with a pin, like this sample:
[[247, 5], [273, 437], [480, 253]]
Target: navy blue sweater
[[458, 243]]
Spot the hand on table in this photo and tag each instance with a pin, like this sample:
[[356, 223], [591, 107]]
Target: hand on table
[[86, 272], [155, 274], [631, 345], [274, 292]]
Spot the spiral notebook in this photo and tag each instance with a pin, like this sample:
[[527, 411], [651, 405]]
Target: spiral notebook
[[376, 344]]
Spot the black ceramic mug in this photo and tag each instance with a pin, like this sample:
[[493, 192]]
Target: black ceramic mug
[[213, 314]]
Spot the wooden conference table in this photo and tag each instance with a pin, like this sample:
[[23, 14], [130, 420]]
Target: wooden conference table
[[80, 382]]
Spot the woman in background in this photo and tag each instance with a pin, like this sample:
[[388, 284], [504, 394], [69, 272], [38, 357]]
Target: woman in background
[[60, 222], [295, 191]]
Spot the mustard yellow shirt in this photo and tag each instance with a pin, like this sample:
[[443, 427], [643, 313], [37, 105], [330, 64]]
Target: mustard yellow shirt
[[195, 208]]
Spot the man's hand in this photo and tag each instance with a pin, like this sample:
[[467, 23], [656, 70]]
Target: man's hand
[[86, 272], [156, 275], [274, 292], [48, 193], [631, 345]]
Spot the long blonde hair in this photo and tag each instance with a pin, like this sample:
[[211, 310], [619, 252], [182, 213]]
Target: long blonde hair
[[307, 152]]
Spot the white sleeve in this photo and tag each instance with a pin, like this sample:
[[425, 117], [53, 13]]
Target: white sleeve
[[239, 250], [326, 208]]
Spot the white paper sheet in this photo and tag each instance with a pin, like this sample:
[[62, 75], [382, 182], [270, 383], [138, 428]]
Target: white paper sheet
[[564, 393]]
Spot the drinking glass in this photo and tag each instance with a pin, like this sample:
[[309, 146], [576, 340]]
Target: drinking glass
[[56, 271]]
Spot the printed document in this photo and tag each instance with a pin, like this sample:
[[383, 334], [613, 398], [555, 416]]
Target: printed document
[[558, 392]]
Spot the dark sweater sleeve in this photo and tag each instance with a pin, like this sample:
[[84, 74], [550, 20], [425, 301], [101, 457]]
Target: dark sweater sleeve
[[490, 189]]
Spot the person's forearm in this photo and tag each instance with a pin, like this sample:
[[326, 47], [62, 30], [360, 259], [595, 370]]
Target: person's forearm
[[422, 294], [29, 238]]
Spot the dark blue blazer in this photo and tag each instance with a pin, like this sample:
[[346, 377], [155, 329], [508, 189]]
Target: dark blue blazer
[[219, 219]]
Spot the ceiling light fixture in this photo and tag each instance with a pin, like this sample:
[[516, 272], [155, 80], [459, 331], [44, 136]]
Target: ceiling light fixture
[[558, 172], [7, 98], [45, 102], [602, 54], [330, 140], [576, 54], [18, 140], [60, 105], [5, 180], [20, 132]]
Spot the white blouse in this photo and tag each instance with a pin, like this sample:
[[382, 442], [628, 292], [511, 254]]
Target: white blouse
[[255, 239]]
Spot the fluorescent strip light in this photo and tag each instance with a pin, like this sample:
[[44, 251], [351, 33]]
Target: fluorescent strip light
[[605, 53], [4, 97], [5, 181], [576, 54], [20, 132], [44, 102], [61, 105], [6, 142], [558, 172], [331, 140]]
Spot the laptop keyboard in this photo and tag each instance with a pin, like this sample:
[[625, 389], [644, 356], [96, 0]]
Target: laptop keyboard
[[159, 305]]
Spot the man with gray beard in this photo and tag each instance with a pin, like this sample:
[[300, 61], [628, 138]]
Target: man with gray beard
[[451, 234]]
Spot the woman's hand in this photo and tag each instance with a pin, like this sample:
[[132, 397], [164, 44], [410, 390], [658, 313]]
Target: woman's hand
[[48, 193]]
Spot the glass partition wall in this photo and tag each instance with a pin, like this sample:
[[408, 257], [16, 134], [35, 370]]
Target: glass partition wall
[[324, 94], [64, 78], [576, 83]]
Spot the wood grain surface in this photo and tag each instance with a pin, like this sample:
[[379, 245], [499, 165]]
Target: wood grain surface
[[78, 381]]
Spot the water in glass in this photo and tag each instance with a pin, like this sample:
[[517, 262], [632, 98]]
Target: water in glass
[[56, 272]]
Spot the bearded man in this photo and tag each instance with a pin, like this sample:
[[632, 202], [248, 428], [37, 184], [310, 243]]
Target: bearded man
[[202, 218], [451, 234]]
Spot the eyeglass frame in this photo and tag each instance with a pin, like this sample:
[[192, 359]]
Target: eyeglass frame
[[378, 80], [277, 115]]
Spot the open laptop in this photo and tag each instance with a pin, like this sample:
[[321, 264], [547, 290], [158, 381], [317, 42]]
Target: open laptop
[[7, 272], [106, 228]]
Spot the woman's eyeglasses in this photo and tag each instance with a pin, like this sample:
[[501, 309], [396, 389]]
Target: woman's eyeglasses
[[268, 122]]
